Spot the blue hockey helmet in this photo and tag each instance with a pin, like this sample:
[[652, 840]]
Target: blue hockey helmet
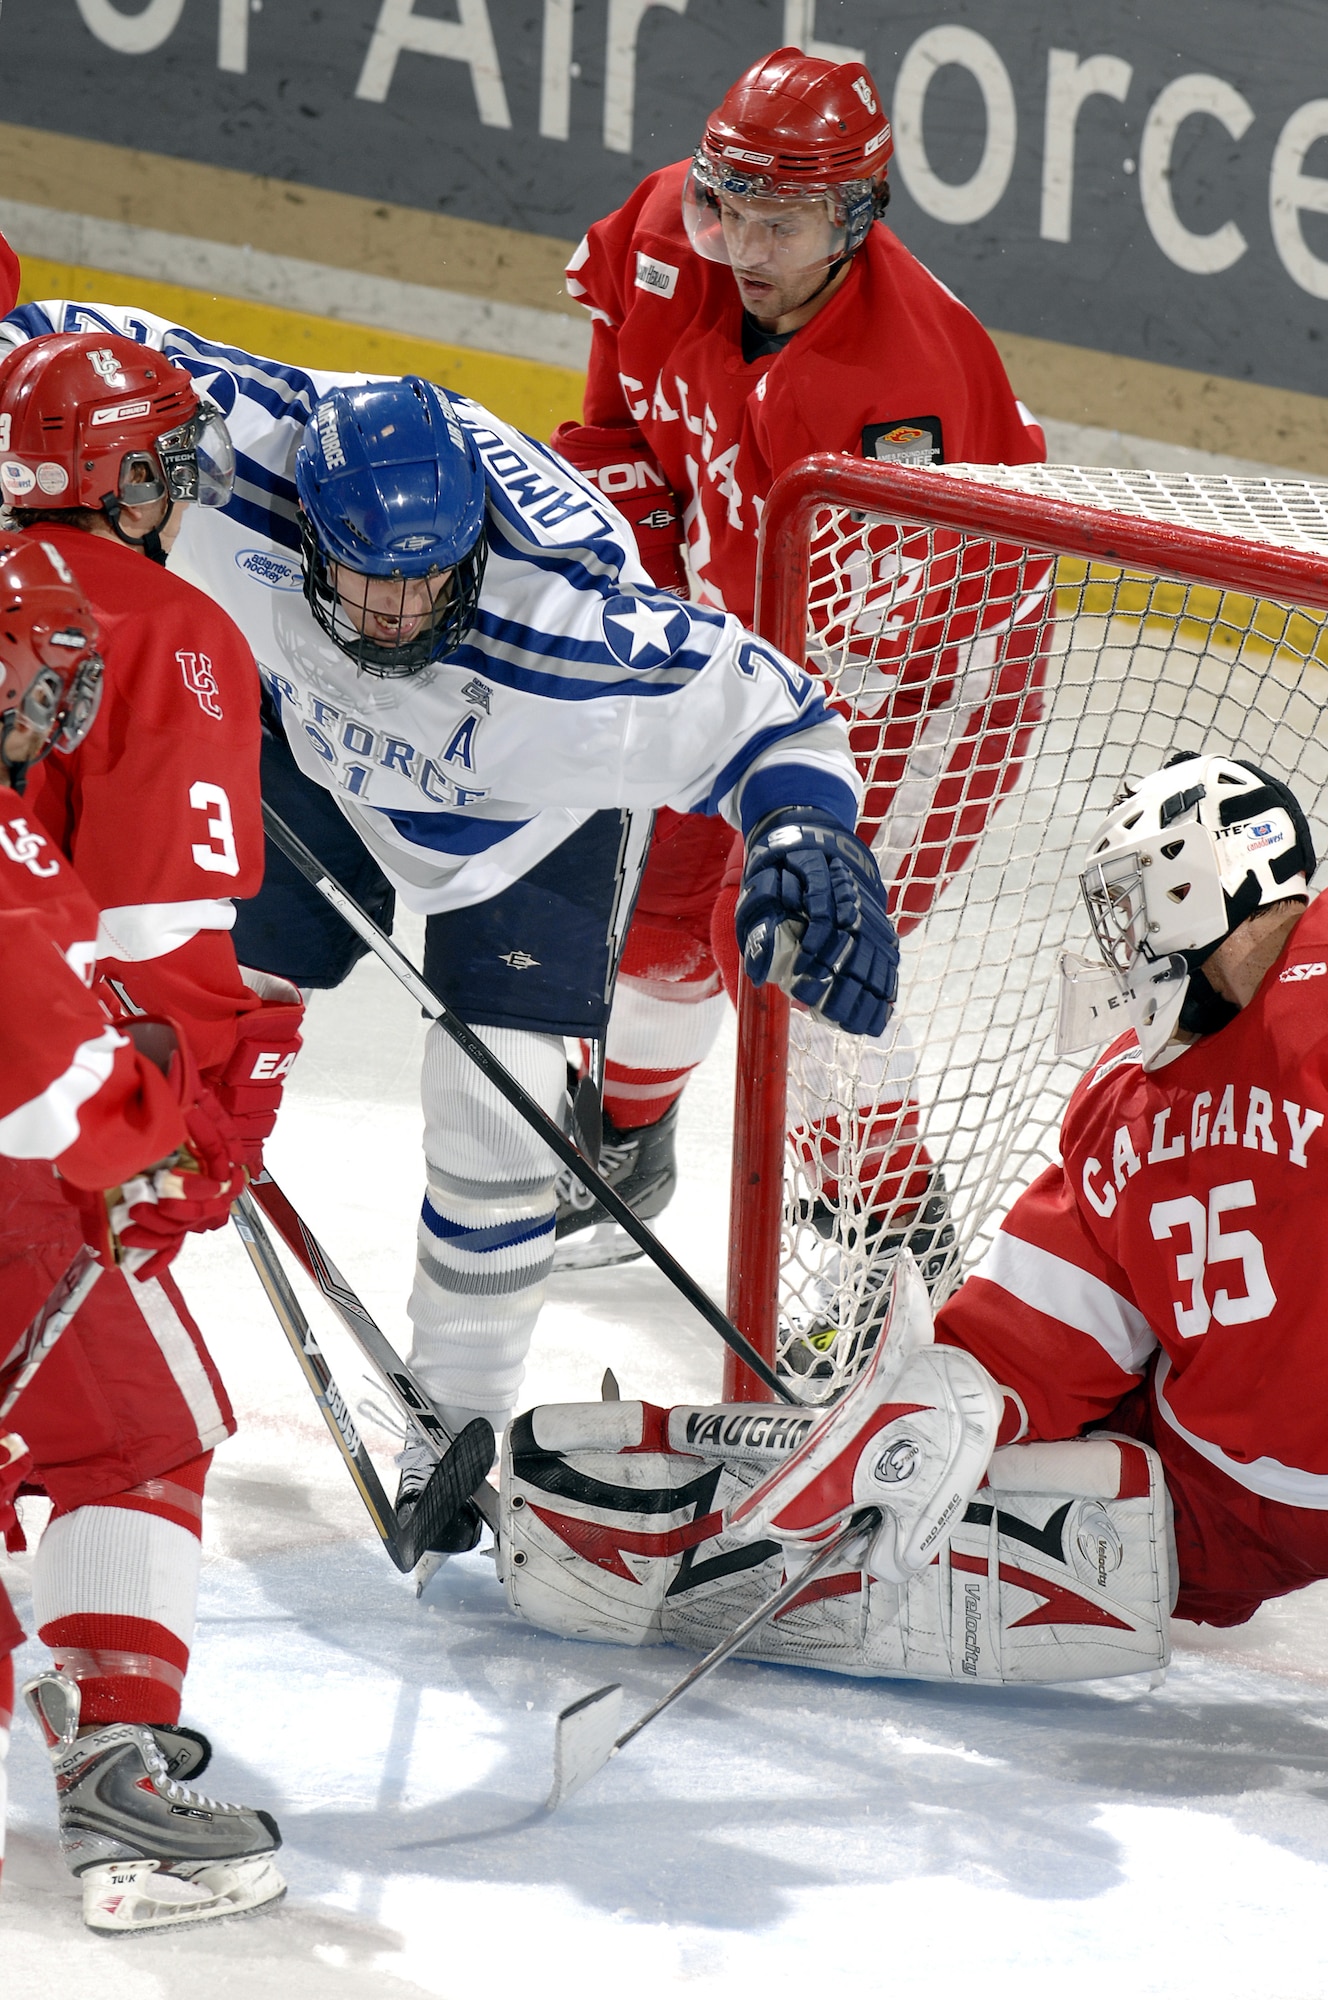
[[392, 488]]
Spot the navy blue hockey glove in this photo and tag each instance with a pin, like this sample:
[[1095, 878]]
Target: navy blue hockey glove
[[812, 916]]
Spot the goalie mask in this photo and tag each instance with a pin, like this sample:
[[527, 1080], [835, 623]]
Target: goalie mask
[[1178, 865], [50, 674], [791, 172], [392, 531]]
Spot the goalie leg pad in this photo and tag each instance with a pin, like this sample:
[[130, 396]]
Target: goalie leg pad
[[613, 1530]]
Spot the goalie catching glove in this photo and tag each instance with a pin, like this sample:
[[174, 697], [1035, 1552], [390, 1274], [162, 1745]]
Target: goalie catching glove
[[812, 916], [911, 1438]]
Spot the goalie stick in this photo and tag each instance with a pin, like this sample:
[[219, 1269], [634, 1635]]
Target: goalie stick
[[521, 1101], [400, 1383], [463, 1467], [585, 1737]]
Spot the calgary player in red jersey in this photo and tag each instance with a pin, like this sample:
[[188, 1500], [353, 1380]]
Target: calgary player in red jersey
[[1145, 1430], [1158, 1280], [158, 811], [751, 307]]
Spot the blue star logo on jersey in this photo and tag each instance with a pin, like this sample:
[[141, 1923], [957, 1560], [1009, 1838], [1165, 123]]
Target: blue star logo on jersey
[[643, 632]]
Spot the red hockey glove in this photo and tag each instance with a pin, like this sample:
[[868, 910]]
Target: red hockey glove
[[248, 1087], [157, 1038], [194, 1191], [616, 460]]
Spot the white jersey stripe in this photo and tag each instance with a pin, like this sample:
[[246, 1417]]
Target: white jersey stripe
[[141, 931], [1267, 1477], [45, 1126], [1052, 1285]]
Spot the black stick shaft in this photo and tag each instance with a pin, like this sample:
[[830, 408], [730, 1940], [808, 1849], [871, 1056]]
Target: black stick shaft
[[397, 1379], [313, 1363], [507, 1087]]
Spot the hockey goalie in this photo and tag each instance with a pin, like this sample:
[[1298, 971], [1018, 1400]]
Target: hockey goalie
[[1114, 1417]]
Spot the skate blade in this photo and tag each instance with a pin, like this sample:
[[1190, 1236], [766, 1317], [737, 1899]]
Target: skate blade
[[596, 1248], [583, 1742], [120, 1897]]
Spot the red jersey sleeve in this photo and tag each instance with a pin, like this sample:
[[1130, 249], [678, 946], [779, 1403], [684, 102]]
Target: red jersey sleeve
[[159, 809], [601, 275], [1050, 1316], [72, 1088]]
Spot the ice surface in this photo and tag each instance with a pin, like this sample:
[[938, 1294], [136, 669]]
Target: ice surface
[[783, 1833]]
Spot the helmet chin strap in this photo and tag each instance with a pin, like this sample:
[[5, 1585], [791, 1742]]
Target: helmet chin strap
[[150, 544]]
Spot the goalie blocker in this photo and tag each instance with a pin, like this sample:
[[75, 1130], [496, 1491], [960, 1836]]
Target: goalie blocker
[[614, 1529]]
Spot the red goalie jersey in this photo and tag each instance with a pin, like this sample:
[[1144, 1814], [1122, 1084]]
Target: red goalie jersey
[[1176, 1246]]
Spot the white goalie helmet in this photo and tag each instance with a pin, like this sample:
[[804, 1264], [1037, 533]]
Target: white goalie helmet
[[1177, 865]]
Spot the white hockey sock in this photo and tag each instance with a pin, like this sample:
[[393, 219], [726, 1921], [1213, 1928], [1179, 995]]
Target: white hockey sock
[[114, 1593], [659, 1031], [486, 1228]]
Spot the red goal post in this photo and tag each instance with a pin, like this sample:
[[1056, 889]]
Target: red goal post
[[1179, 613]]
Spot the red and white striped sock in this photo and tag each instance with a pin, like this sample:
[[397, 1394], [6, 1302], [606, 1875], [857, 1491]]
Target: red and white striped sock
[[115, 1589], [6, 1717], [660, 1029]]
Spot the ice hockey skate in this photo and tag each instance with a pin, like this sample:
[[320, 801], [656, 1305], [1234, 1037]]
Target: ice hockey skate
[[641, 1166], [149, 1852]]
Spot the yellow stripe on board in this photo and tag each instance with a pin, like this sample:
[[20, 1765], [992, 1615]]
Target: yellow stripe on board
[[1194, 615], [530, 394]]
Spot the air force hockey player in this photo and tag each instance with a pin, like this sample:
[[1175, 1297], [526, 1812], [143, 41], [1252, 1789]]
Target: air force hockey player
[[476, 698]]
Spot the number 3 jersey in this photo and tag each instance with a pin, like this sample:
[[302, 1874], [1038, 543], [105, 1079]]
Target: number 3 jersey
[[159, 807], [579, 687], [1186, 1222]]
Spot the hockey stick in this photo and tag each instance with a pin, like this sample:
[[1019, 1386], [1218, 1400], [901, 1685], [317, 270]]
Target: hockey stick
[[33, 1345], [465, 1464], [521, 1101], [585, 1740], [400, 1384]]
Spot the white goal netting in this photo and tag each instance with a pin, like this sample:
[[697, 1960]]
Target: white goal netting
[[998, 697]]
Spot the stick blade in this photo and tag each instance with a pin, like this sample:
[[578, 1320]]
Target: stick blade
[[454, 1479], [584, 1741]]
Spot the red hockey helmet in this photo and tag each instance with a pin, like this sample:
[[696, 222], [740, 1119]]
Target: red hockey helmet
[[50, 675], [793, 128], [97, 420]]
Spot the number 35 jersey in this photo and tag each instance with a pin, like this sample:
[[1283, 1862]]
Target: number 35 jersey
[[159, 807], [1186, 1221]]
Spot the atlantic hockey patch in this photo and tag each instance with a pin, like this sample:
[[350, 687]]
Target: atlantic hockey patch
[[642, 632], [905, 441], [278, 572]]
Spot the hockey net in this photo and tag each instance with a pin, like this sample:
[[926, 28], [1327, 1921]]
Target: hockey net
[[1007, 645]]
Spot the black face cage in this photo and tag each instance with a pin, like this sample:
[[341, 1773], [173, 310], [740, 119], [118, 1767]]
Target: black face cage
[[438, 638]]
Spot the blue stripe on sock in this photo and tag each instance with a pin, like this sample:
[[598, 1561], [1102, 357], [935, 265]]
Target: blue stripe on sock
[[501, 1236]]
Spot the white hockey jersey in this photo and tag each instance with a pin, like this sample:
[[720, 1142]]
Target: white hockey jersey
[[579, 686]]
